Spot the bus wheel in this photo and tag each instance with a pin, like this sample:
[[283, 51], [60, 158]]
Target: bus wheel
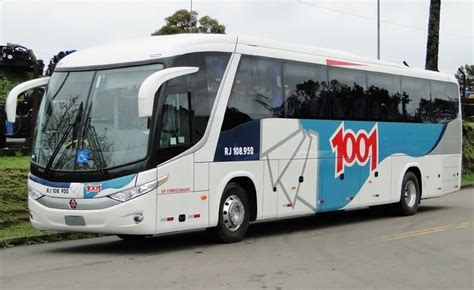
[[410, 195], [234, 214]]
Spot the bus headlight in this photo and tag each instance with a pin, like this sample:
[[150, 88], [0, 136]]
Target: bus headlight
[[134, 192], [34, 194]]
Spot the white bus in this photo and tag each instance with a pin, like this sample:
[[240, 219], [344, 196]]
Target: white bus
[[185, 132]]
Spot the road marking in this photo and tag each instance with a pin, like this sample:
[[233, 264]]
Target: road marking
[[428, 231], [461, 226]]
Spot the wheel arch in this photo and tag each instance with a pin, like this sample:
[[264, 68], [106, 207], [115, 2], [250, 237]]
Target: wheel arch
[[415, 168], [249, 187], [247, 181]]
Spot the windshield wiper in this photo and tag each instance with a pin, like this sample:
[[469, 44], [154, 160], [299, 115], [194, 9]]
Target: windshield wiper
[[64, 138], [97, 154]]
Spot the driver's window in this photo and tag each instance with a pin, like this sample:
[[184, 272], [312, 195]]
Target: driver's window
[[175, 124]]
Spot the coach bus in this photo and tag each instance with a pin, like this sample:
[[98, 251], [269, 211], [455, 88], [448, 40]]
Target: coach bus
[[186, 132]]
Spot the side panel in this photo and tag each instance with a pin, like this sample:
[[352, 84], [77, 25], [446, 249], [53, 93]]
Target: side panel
[[201, 176], [376, 188], [179, 205], [431, 169], [295, 149], [297, 187], [337, 192], [190, 206], [450, 173], [270, 190]]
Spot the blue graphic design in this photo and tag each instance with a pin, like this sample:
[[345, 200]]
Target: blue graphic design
[[411, 139], [83, 156], [240, 143], [103, 185]]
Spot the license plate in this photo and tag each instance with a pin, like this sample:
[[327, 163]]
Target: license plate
[[57, 190], [74, 220]]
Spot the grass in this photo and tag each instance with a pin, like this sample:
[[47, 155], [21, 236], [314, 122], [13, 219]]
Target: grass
[[468, 148], [15, 162], [13, 190], [30, 235], [21, 229], [468, 179]]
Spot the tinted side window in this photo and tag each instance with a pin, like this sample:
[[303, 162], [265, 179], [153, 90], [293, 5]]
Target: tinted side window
[[415, 105], [444, 101], [347, 88], [257, 92], [384, 96], [453, 97], [306, 91], [204, 84]]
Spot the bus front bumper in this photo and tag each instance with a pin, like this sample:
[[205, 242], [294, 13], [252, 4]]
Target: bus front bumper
[[133, 217]]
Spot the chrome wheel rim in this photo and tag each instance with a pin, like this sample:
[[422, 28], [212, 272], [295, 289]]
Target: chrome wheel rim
[[410, 193], [233, 213]]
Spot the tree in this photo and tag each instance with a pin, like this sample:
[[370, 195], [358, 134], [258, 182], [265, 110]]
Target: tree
[[184, 21], [210, 25], [8, 80], [432, 45], [465, 77]]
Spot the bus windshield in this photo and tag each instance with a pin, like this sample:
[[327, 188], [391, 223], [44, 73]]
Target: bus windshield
[[89, 120]]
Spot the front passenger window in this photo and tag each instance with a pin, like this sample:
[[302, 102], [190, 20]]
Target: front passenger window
[[175, 125]]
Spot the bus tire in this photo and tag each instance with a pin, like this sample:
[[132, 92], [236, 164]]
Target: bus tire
[[410, 195], [234, 214]]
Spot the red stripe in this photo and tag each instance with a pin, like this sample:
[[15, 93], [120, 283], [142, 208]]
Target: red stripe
[[334, 62]]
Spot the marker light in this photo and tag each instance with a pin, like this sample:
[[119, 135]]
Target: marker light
[[134, 192], [34, 194]]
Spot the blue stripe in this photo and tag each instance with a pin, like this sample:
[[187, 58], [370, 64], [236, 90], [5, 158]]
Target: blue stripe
[[116, 183], [49, 183]]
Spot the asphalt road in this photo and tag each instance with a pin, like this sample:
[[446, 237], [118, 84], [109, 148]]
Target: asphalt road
[[365, 248]]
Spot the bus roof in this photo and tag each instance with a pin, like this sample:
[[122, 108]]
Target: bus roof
[[150, 48]]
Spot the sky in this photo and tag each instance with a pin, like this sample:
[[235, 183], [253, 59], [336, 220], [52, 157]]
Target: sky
[[48, 27]]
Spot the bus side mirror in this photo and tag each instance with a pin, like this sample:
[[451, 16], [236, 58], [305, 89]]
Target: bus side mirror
[[12, 98], [149, 87]]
